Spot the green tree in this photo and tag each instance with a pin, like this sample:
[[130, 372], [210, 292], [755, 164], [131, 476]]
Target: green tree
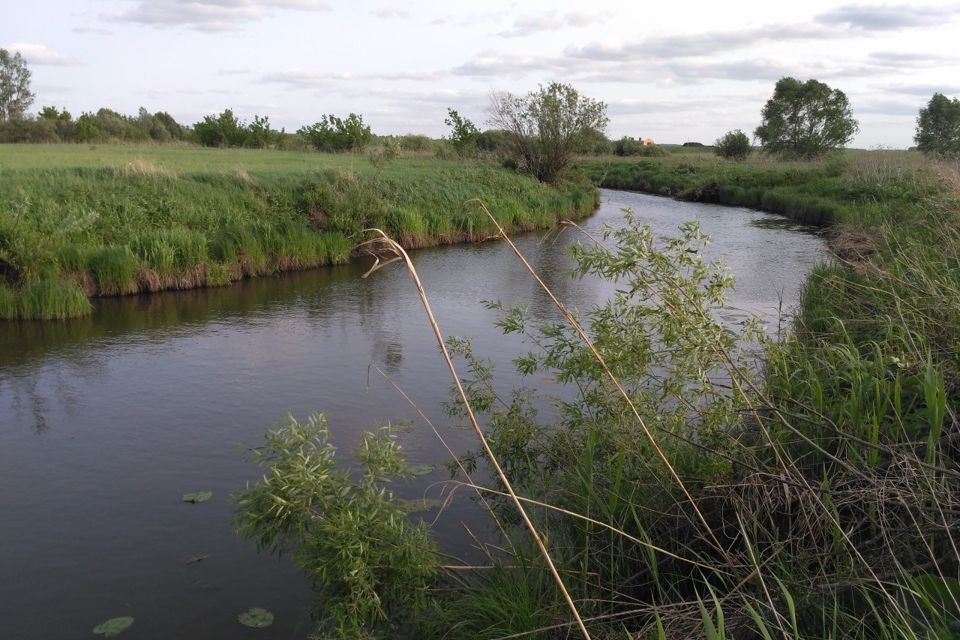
[[938, 127], [62, 122], [463, 133], [224, 130], [338, 134], [15, 94], [261, 135], [733, 145], [547, 127], [805, 119]]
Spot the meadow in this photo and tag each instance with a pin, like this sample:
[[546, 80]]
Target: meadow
[[82, 221]]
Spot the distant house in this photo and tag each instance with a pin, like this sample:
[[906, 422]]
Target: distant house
[[647, 142]]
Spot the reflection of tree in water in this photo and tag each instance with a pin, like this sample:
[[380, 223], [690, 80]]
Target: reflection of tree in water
[[28, 404]]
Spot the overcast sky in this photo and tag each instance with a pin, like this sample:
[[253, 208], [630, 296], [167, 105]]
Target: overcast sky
[[676, 71]]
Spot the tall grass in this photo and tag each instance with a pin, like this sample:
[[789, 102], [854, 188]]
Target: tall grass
[[865, 188], [120, 220]]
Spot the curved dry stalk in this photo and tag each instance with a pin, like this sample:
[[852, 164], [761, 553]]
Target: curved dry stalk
[[400, 254], [453, 455]]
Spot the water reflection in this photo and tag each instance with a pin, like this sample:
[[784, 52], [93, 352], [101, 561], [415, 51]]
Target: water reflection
[[107, 420]]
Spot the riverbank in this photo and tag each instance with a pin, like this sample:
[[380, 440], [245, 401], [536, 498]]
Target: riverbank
[[814, 499], [78, 222]]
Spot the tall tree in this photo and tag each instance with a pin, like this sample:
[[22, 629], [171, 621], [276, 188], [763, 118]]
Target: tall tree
[[15, 94], [938, 127], [805, 119], [547, 127]]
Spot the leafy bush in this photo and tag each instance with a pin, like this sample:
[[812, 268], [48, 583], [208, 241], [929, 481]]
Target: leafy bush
[[371, 566], [733, 145], [333, 134], [627, 146], [463, 133], [938, 127], [547, 127]]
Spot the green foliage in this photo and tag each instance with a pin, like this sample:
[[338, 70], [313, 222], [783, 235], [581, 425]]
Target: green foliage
[[197, 497], [333, 134], [223, 130], [261, 136], [547, 127], [256, 618], [411, 142], [113, 627], [372, 567], [627, 146], [733, 145], [15, 94], [163, 217], [805, 119], [463, 133], [938, 127]]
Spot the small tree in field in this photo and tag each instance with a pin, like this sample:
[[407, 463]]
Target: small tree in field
[[938, 127], [547, 127], [805, 119], [15, 94], [733, 145], [338, 134], [463, 133]]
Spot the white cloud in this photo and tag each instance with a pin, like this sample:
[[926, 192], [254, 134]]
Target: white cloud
[[41, 54], [390, 13], [210, 15], [889, 17], [551, 21]]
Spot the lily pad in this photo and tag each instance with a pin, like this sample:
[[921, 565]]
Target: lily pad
[[197, 496], [420, 469], [113, 626], [256, 618]]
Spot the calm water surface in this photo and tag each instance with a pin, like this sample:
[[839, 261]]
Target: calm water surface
[[106, 421]]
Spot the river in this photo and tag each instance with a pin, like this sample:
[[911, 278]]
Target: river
[[106, 421]]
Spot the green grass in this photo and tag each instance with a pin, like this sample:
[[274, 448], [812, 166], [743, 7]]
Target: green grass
[[867, 188], [125, 219]]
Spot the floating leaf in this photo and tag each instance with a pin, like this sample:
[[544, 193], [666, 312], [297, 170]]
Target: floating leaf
[[113, 626], [199, 496], [420, 469], [256, 617]]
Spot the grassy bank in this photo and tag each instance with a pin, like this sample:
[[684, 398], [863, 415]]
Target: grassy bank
[[684, 491], [77, 222], [867, 188]]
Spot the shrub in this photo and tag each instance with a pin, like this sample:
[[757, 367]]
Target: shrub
[[333, 134], [547, 127], [371, 566], [733, 145]]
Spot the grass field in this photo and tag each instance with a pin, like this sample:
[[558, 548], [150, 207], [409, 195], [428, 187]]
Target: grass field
[[80, 221]]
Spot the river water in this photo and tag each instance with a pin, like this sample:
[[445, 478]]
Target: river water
[[106, 421]]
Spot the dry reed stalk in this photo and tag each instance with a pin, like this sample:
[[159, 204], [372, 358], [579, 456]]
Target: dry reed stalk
[[401, 255], [450, 451]]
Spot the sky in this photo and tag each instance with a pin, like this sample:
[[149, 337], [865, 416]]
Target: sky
[[675, 71]]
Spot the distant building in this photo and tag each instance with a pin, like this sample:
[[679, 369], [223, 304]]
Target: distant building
[[647, 142]]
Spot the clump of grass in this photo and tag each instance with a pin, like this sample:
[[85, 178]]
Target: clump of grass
[[51, 298], [217, 275], [139, 167], [9, 304], [115, 269]]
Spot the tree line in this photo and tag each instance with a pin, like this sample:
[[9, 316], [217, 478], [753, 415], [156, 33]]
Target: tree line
[[537, 133]]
